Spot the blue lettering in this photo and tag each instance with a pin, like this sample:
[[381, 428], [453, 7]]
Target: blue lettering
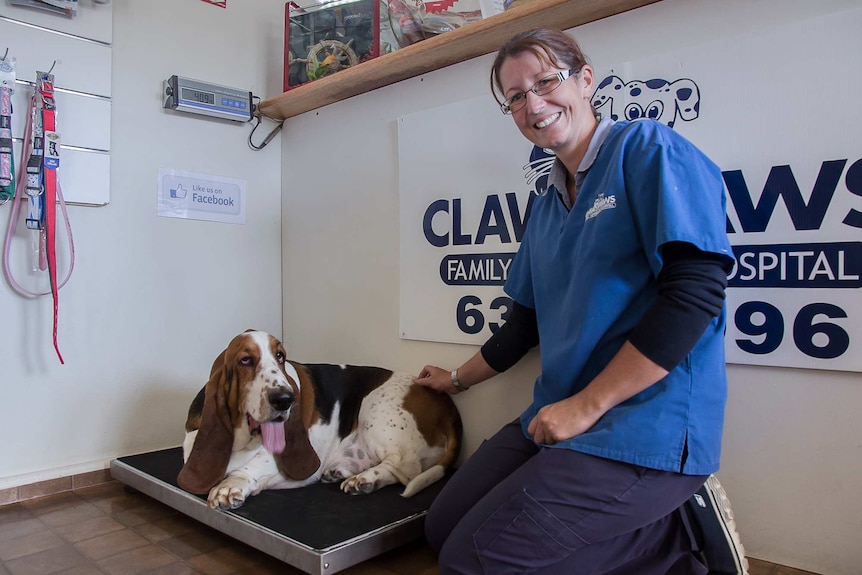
[[854, 186], [493, 221], [212, 200], [495, 210], [817, 265], [435, 240], [519, 224], [458, 239], [475, 269], [781, 182]]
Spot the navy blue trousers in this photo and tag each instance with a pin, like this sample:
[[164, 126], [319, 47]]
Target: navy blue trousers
[[515, 507]]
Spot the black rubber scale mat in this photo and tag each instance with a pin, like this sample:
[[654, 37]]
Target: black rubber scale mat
[[317, 528]]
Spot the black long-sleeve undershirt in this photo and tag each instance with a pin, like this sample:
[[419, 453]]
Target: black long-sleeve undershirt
[[691, 289], [513, 340]]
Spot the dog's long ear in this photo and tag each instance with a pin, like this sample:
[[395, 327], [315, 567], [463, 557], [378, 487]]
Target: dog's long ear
[[299, 460], [208, 461]]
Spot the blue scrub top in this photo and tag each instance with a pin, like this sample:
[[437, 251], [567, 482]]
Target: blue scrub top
[[590, 274]]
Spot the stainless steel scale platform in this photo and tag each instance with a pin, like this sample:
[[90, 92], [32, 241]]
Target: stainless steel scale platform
[[317, 529]]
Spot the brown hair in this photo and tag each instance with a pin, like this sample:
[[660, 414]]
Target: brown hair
[[553, 46]]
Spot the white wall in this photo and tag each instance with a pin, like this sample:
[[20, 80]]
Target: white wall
[[152, 300], [791, 457]]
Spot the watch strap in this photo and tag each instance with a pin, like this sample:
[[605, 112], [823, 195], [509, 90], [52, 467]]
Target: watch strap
[[457, 382]]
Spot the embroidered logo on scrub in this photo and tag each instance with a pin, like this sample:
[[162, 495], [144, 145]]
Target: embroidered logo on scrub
[[601, 204]]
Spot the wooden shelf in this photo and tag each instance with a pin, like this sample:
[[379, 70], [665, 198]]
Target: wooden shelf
[[470, 41]]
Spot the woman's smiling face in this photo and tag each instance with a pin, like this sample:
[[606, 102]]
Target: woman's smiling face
[[561, 120]]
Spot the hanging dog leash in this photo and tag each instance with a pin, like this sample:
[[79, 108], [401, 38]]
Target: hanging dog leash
[[39, 184], [51, 153], [7, 155]]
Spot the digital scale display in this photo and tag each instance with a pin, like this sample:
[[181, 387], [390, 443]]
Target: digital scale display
[[198, 96]]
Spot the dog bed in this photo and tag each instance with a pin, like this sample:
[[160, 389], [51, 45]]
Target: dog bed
[[317, 529]]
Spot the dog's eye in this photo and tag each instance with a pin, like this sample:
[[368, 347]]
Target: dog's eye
[[245, 360], [279, 356]]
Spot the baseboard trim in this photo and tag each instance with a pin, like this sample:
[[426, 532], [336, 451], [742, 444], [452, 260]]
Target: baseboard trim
[[52, 486]]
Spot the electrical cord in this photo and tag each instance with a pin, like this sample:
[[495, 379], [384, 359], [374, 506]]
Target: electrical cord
[[257, 114]]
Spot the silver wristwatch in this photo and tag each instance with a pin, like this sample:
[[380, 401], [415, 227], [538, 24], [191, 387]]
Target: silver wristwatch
[[457, 382]]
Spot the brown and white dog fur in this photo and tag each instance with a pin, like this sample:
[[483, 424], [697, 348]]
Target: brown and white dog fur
[[364, 426]]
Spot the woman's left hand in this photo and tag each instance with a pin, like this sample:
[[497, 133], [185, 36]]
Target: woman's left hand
[[563, 420], [436, 378]]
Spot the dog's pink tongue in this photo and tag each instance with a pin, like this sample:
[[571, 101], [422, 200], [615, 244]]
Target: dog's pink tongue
[[272, 433]]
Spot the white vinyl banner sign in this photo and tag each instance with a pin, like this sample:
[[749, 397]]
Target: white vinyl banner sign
[[790, 155], [463, 211]]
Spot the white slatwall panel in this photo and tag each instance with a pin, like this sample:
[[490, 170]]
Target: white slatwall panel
[[93, 20], [84, 121], [83, 66], [82, 76], [88, 171]]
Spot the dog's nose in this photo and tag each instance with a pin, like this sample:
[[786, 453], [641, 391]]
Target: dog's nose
[[280, 400]]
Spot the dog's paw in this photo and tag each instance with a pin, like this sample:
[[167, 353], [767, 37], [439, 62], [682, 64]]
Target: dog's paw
[[226, 496], [333, 475], [359, 484]]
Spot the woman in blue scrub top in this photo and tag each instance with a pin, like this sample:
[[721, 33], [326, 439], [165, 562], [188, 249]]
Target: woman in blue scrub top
[[620, 279]]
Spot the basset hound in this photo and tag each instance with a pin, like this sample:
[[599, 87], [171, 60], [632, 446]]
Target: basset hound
[[263, 422]]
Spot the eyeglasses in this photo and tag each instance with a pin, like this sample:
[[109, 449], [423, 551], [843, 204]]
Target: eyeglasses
[[544, 86]]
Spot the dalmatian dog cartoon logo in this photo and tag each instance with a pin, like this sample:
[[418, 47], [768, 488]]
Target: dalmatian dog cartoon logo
[[656, 99], [538, 169]]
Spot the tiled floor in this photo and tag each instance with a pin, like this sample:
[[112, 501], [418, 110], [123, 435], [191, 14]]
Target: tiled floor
[[107, 529]]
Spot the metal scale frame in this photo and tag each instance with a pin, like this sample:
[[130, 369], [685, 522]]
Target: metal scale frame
[[317, 529]]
